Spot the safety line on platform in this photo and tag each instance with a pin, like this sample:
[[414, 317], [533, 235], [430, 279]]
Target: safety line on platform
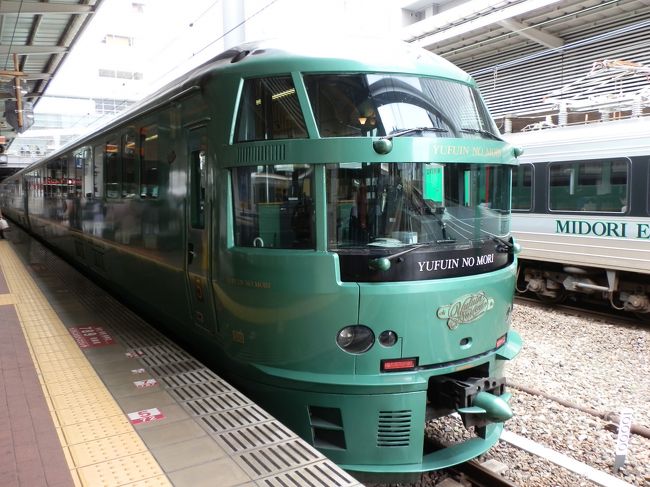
[[100, 445]]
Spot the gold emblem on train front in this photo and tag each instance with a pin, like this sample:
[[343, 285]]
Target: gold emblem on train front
[[465, 309]]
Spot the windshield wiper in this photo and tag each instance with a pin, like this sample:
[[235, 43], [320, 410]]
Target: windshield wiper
[[503, 246], [487, 133], [415, 129]]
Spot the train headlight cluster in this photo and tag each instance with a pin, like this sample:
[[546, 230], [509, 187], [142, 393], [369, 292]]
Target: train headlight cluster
[[359, 338], [355, 339]]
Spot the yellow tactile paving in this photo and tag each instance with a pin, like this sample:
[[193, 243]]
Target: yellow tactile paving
[[85, 397], [100, 445], [85, 412], [57, 388], [94, 430], [120, 471], [93, 452]]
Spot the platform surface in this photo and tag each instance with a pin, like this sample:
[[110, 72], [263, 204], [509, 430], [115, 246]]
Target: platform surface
[[92, 395]]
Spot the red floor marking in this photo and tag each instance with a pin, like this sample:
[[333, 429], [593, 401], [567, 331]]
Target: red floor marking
[[91, 336]]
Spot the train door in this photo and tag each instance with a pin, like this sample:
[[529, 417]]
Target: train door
[[198, 232]]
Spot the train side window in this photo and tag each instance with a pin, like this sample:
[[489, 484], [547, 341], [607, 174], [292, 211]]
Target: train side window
[[38, 181], [53, 178], [86, 156], [129, 165], [98, 172], [522, 187], [589, 186], [75, 169], [269, 109], [274, 206], [150, 162], [198, 180], [113, 173]]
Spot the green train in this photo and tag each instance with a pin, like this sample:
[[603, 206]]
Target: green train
[[329, 226]]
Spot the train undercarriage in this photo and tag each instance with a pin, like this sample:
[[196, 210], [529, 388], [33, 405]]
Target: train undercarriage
[[554, 283]]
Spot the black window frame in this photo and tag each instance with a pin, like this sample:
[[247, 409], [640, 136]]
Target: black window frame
[[588, 206], [532, 188]]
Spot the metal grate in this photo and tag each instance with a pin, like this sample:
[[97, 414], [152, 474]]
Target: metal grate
[[191, 392], [394, 428], [221, 402], [255, 436], [321, 474], [180, 369], [265, 153], [197, 376], [274, 459], [172, 356], [234, 418]]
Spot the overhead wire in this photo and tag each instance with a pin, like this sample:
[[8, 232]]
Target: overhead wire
[[217, 39], [13, 35]]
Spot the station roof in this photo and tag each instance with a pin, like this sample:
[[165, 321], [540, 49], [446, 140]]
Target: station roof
[[35, 37], [522, 51], [477, 33], [484, 37]]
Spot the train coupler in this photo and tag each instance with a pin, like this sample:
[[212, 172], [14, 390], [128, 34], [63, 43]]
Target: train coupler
[[479, 400]]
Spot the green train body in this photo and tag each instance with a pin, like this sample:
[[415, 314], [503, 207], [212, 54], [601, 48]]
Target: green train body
[[330, 228]]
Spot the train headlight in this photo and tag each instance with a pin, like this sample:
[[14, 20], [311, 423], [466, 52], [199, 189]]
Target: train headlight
[[388, 338], [355, 339]]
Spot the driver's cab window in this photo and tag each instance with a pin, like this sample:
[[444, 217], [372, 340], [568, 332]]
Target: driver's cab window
[[274, 206], [269, 109]]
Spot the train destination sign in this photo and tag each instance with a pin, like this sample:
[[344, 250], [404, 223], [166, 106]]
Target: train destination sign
[[455, 263], [426, 263]]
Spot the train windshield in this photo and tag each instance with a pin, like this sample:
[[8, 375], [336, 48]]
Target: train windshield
[[401, 204], [370, 105]]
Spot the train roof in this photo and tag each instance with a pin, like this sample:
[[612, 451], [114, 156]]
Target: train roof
[[618, 138], [285, 55]]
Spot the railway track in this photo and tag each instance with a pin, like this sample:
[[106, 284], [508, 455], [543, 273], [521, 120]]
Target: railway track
[[468, 474], [586, 310], [479, 476]]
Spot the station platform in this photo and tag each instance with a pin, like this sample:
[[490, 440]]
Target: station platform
[[92, 395]]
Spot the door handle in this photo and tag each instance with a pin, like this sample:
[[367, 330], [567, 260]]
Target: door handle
[[190, 253]]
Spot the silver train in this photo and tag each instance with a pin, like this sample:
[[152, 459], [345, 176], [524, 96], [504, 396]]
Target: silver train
[[581, 213]]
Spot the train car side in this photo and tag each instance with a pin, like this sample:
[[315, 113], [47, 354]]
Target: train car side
[[581, 213]]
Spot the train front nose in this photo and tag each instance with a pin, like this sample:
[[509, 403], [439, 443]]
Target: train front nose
[[435, 324]]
